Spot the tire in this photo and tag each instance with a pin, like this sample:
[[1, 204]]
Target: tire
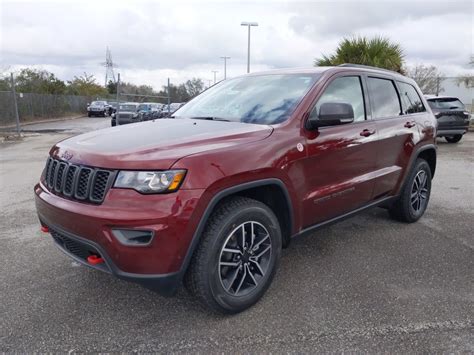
[[453, 139], [415, 194], [89, 114], [113, 123], [211, 278]]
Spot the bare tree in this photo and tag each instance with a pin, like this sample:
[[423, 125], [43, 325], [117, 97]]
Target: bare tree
[[428, 78], [468, 79]]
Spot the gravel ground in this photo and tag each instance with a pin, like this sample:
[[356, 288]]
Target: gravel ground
[[366, 284]]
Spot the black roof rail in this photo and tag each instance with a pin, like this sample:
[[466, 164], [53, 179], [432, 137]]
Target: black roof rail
[[349, 65]]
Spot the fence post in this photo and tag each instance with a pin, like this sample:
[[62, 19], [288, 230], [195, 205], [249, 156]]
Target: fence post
[[17, 117]]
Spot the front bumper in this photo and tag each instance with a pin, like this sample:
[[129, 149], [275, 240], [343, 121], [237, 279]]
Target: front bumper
[[171, 217]]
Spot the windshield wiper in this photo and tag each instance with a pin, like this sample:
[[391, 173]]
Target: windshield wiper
[[210, 118]]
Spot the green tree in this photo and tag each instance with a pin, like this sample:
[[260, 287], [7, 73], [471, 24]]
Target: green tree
[[112, 87], [85, 85], [38, 81], [378, 52]]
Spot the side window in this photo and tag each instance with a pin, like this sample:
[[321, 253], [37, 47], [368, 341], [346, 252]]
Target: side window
[[347, 89], [385, 102], [411, 101]]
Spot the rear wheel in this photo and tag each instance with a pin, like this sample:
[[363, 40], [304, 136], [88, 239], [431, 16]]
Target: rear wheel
[[454, 139], [89, 114], [237, 256], [415, 194]]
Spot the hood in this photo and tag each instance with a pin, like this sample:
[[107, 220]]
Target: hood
[[155, 144]]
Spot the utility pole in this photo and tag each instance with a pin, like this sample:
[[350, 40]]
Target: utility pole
[[118, 88], [215, 71], [17, 116], [225, 66], [248, 24], [169, 96], [209, 82]]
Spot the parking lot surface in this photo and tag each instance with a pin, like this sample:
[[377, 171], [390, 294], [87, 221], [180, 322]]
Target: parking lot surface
[[366, 284]]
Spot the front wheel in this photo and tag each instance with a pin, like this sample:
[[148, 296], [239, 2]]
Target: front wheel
[[415, 194], [454, 139], [237, 256]]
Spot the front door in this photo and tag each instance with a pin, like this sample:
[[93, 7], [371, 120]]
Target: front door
[[341, 159]]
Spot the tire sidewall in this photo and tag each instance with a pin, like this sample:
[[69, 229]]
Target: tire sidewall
[[420, 165], [259, 214]]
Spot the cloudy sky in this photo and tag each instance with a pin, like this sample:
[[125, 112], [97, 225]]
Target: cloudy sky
[[151, 41]]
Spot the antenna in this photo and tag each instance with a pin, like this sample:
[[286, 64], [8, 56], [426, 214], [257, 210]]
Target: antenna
[[109, 67]]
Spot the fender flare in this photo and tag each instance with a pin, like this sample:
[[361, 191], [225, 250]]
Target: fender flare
[[216, 199]]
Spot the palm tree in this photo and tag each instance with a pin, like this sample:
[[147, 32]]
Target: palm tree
[[377, 52]]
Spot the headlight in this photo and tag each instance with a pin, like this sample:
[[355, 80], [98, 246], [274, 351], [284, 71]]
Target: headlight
[[149, 182]]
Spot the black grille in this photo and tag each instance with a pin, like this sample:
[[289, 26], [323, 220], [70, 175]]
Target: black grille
[[78, 249], [77, 182]]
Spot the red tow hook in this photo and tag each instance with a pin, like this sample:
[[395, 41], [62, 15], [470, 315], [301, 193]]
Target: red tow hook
[[44, 229], [94, 259]]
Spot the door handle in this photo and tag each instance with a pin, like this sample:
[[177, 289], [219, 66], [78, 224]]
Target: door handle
[[366, 133], [410, 124]]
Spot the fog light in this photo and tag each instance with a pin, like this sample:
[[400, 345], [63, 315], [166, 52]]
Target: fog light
[[133, 237]]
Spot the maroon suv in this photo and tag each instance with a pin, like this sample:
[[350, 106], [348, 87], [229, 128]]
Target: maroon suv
[[210, 196]]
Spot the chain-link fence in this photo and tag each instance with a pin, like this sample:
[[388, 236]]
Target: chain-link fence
[[34, 107]]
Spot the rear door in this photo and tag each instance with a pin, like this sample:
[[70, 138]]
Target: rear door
[[397, 133]]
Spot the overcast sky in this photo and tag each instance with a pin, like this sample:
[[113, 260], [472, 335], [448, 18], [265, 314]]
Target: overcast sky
[[151, 41]]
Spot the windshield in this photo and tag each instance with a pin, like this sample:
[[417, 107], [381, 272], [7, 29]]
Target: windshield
[[128, 107], [262, 99], [98, 103], [143, 107], [446, 104]]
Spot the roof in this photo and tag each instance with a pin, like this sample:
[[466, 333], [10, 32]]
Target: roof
[[320, 70]]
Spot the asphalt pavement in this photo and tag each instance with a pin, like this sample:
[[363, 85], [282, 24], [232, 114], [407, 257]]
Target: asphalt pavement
[[366, 284]]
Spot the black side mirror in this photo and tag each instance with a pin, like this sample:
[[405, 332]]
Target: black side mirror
[[331, 114]]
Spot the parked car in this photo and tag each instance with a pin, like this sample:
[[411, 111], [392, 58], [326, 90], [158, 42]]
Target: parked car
[[127, 113], [149, 111], [172, 109], [97, 108], [212, 196], [452, 116]]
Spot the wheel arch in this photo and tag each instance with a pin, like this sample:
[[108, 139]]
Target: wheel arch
[[428, 153], [271, 192]]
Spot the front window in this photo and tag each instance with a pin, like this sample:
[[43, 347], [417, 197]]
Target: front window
[[446, 104], [346, 90], [259, 99], [98, 103]]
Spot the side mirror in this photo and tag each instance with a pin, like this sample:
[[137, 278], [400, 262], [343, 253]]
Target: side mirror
[[331, 114]]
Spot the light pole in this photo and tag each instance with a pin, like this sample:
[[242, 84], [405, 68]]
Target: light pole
[[248, 24], [215, 72], [225, 66]]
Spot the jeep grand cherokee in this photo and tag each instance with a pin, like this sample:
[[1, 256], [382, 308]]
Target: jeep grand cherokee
[[212, 195]]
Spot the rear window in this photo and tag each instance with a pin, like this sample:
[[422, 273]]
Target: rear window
[[385, 102], [446, 104], [411, 101]]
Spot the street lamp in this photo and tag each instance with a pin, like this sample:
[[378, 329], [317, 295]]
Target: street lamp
[[225, 66], [248, 24], [215, 71]]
